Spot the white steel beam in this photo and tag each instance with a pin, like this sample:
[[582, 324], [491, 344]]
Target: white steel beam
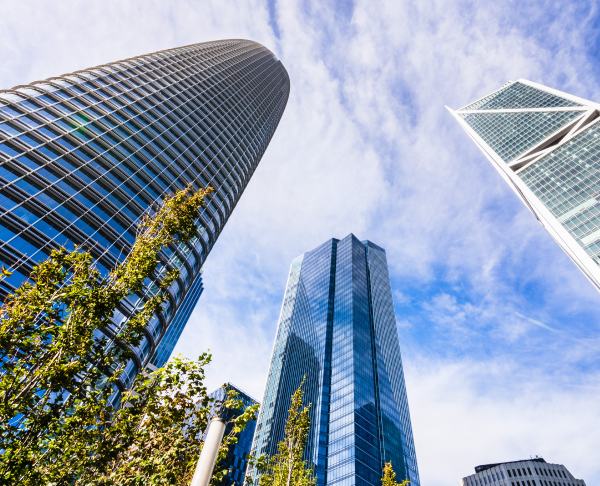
[[539, 210]]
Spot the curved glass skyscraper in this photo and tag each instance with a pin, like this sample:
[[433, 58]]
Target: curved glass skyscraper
[[82, 156], [338, 328]]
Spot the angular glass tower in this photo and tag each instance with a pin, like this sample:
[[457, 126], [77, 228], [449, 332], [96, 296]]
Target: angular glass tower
[[546, 145], [83, 155], [338, 328]]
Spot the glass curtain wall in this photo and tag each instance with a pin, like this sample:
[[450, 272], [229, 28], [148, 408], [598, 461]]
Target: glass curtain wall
[[546, 144], [237, 456], [84, 155], [338, 329]]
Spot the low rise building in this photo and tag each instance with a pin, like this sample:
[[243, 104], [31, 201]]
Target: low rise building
[[237, 457], [528, 472]]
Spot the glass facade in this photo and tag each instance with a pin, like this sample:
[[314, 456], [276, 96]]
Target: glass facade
[[520, 96], [237, 457], [567, 181], [338, 328], [84, 155], [180, 319], [511, 134], [547, 145]]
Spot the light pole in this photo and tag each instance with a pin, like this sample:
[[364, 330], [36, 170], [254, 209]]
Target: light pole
[[208, 456]]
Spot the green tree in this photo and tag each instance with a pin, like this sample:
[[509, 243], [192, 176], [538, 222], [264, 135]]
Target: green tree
[[155, 439], [389, 477], [58, 375], [286, 467]]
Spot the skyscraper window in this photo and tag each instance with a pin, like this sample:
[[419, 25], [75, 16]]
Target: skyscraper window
[[546, 145], [84, 155], [338, 329]]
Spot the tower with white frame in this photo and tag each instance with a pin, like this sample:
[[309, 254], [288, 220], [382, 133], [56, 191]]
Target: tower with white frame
[[546, 145]]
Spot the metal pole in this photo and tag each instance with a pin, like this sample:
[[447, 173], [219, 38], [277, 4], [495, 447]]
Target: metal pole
[[208, 456]]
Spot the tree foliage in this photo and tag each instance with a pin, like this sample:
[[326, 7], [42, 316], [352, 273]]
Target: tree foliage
[[389, 477], [59, 371], [158, 433], [287, 467]]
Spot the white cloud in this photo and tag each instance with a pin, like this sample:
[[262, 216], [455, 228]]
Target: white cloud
[[40, 39], [469, 413], [537, 323], [366, 146]]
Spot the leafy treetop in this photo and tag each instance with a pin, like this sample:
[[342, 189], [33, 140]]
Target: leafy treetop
[[58, 420], [287, 467], [389, 477]]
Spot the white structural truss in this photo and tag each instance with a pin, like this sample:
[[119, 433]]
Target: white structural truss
[[525, 127]]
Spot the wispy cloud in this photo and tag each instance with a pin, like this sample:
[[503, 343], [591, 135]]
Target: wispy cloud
[[466, 413], [537, 323], [366, 146]]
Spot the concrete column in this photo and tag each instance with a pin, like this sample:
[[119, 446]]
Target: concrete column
[[208, 456]]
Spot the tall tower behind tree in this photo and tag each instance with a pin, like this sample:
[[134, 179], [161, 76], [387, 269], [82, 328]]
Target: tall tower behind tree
[[338, 328]]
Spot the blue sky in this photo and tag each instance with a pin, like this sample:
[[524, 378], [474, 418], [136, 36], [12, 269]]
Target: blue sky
[[499, 330]]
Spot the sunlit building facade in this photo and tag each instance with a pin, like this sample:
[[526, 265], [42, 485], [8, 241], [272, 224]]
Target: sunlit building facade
[[338, 329], [528, 472], [546, 145], [84, 155]]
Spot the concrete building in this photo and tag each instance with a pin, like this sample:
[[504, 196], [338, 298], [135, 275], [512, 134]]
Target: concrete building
[[529, 472]]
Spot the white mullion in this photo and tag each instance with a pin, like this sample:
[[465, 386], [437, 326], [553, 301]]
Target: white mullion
[[561, 132], [495, 160], [532, 156], [527, 110], [566, 139], [506, 85], [577, 129]]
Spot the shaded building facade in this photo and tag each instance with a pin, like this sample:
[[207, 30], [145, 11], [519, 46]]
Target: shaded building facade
[[338, 329], [84, 155], [237, 456], [546, 144], [177, 325]]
